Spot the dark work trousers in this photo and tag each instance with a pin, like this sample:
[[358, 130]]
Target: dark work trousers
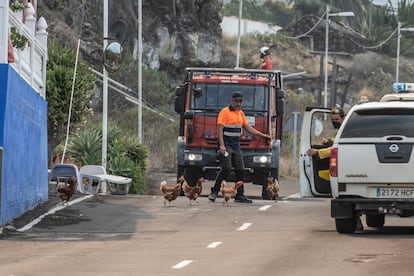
[[234, 159]]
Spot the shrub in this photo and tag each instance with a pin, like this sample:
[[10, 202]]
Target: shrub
[[126, 156]]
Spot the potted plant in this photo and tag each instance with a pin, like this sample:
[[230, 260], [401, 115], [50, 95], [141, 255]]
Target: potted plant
[[16, 5], [18, 40]]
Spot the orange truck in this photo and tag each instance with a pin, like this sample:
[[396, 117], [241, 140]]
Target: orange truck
[[199, 99]]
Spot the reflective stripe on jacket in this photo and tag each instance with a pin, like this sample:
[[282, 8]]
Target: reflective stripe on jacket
[[233, 122]]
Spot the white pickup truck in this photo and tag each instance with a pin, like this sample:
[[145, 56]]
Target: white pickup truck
[[371, 164]]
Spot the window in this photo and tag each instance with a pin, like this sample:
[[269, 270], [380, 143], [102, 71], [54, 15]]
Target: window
[[380, 122], [321, 128], [216, 96]]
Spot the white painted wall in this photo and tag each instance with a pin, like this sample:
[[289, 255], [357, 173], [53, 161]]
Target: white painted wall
[[230, 25]]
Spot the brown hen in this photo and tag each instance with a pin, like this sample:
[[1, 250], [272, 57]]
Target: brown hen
[[229, 192], [272, 188], [192, 192], [171, 192], [69, 190]]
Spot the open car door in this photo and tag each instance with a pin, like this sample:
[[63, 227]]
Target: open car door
[[314, 176]]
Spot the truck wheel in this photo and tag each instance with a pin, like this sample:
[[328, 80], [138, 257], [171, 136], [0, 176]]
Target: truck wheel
[[347, 225], [192, 175], [376, 220], [265, 194], [180, 172]]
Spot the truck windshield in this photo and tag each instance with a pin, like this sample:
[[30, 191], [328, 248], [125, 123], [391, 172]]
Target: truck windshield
[[380, 123], [215, 96]]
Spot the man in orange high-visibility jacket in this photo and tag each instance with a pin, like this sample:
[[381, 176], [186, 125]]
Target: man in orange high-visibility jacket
[[230, 122]]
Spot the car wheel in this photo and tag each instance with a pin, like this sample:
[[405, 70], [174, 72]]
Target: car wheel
[[376, 220], [346, 225]]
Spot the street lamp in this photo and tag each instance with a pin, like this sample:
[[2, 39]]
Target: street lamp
[[105, 88], [398, 48], [112, 61], [238, 34], [327, 48], [140, 71]]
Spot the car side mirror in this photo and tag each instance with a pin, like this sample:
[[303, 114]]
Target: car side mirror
[[280, 102]]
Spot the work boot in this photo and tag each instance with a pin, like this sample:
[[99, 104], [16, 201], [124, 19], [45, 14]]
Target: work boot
[[243, 199], [212, 197]]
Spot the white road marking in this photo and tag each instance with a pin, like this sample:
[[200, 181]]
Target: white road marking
[[214, 244], [182, 264], [68, 239], [244, 226], [51, 211], [264, 208], [296, 195]]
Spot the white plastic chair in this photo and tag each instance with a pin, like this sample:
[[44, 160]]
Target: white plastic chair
[[97, 174], [64, 172]]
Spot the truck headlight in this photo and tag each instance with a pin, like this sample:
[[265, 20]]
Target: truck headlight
[[262, 159], [193, 157]]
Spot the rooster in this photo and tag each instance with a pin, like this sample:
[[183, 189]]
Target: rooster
[[192, 192], [272, 188], [171, 192], [229, 192], [68, 191]]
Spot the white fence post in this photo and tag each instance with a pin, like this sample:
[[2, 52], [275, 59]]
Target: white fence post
[[4, 29]]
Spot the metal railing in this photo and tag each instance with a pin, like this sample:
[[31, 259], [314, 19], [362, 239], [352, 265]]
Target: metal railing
[[30, 62]]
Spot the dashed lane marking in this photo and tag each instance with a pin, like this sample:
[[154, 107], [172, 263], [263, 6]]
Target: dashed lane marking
[[214, 244], [244, 226], [264, 208], [182, 264]]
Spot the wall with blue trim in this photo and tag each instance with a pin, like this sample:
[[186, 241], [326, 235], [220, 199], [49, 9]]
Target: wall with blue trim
[[23, 137]]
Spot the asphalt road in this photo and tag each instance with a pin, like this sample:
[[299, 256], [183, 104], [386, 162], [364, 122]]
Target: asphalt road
[[137, 235]]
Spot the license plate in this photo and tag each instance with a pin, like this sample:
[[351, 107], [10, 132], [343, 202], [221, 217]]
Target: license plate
[[395, 192]]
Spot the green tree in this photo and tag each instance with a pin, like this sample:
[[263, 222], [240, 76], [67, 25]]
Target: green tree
[[59, 81]]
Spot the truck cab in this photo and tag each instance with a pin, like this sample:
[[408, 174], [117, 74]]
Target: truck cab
[[199, 99]]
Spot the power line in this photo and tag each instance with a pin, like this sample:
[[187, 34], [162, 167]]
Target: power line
[[375, 46], [308, 32], [131, 95]]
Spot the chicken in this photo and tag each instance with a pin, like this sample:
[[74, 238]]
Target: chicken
[[229, 192], [192, 192], [272, 188], [68, 191], [171, 192]]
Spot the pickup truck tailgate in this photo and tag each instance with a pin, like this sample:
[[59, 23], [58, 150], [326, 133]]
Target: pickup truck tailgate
[[394, 163]]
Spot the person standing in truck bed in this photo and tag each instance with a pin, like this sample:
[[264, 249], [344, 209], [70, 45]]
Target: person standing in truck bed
[[230, 122], [265, 57]]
